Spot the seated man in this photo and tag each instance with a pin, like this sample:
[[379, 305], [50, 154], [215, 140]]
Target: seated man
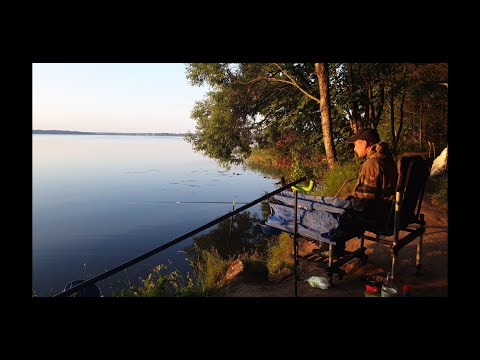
[[372, 197]]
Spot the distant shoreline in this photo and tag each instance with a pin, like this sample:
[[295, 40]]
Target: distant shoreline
[[67, 132]]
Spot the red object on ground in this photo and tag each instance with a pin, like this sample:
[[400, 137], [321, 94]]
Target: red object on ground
[[372, 289]]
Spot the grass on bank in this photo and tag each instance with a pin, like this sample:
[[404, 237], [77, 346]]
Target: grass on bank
[[437, 187], [278, 253], [270, 162], [161, 283], [209, 268]]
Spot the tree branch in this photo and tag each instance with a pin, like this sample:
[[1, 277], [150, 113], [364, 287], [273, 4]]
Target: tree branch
[[294, 83]]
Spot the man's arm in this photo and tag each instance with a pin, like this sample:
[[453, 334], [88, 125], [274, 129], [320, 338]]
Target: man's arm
[[363, 198]]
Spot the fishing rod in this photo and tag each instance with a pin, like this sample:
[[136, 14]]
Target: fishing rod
[[139, 258]]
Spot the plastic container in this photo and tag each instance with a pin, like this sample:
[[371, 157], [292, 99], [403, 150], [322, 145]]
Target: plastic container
[[320, 282], [388, 287]]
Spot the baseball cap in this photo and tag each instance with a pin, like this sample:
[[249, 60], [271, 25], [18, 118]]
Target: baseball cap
[[370, 135]]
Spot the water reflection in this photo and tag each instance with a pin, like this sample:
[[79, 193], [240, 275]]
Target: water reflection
[[97, 200], [237, 235], [267, 170]]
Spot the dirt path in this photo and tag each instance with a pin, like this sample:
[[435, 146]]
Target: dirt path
[[432, 282]]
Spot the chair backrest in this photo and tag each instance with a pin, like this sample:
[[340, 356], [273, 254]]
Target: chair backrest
[[412, 176]]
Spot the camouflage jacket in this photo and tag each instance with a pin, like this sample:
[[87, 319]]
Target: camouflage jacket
[[375, 189]]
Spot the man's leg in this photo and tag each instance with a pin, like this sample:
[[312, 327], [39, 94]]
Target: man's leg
[[339, 248], [347, 230]]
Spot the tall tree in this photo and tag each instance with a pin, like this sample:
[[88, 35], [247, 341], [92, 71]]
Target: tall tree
[[354, 114], [323, 83], [258, 98]]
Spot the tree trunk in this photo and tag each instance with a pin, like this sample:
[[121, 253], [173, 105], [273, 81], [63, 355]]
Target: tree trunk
[[322, 74], [392, 116], [355, 120], [380, 106], [371, 109], [400, 125], [420, 132]]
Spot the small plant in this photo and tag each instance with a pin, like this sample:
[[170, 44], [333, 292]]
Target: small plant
[[437, 186], [159, 283], [299, 169], [209, 267], [278, 255]]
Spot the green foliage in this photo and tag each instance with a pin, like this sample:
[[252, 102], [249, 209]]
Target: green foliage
[[209, 267], [208, 74], [246, 107], [344, 150], [437, 187], [250, 105], [279, 250], [219, 133], [292, 166], [267, 161], [161, 284], [300, 170], [314, 168], [211, 253], [336, 177], [429, 101]]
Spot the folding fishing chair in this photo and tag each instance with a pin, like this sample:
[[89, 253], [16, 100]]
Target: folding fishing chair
[[413, 172]]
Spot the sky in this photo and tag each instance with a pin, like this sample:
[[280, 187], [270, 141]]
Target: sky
[[143, 97]]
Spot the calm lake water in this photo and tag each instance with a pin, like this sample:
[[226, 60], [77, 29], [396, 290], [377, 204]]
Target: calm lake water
[[97, 202]]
